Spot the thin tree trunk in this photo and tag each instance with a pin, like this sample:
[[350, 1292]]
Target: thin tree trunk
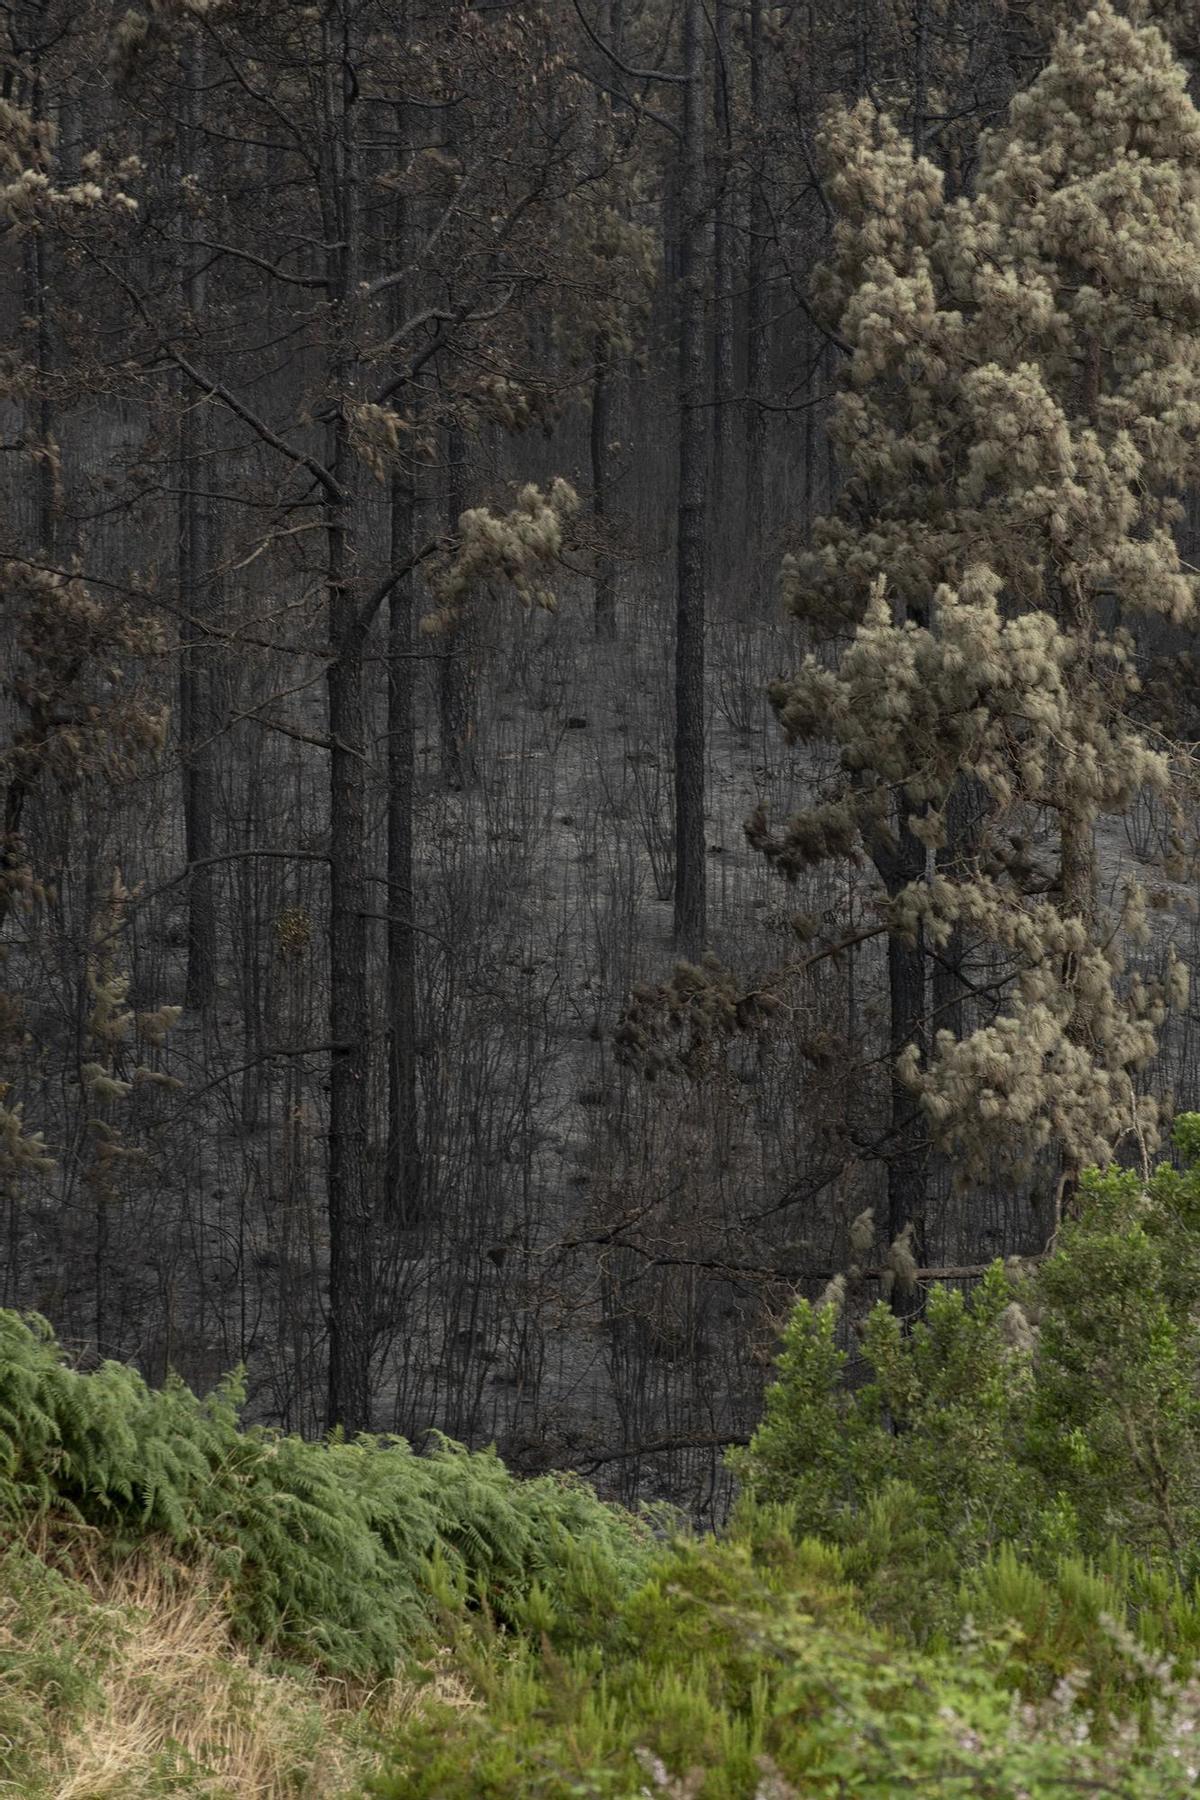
[[36, 289], [1078, 870], [456, 660], [604, 597], [608, 22], [351, 1283], [1078, 877], [949, 988], [810, 438], [350, 1214], [690, 895], [724, 237], [34, 273], [920, 75], [403, 1168], [908, 1144], [756, 290], [900, 864], [196, 709]]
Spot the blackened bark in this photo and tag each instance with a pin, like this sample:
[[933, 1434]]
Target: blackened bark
[[351, 1260], [351, 1321], [950, 988], [1078, 877], [608, 28], [756, 288], [920, 75], [604, 595], [36, 292], [402, 1167], [908, 1139], [1078, 868], [691, 572], [456, 659], [724, 240], [197, 713], [402, 1199]]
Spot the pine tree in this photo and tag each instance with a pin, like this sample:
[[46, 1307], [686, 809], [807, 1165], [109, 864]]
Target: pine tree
[[1020, 414]]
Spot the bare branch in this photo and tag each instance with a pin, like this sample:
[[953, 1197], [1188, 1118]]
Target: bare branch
[[665, 75], [333, 488], [260, 262]]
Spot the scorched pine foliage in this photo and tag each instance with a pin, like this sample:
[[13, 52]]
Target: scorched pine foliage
[[1019, 418]]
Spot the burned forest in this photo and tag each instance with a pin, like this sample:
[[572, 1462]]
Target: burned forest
[[598, 687]]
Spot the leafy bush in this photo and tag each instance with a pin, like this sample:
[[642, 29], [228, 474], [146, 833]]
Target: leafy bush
[[744, 1672], [1115, 1423], [1057, 1409], [327, 1549]]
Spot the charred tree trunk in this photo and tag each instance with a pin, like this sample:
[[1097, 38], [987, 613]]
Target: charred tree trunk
[[402, 1169], [949, 986], [908, 1138], [350, 1212], [351, 1285], [197, 714], [691, 571], [724, 240], [35, 298], [604, 596], [756, 289], [1078, 876], [920, 78], [456, 659], [609, 29], [403, 1166], [1078, 869]]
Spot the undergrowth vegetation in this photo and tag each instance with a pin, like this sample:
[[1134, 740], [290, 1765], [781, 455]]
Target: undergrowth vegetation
[[324, 1549], [746, 1670], [974, 1572]]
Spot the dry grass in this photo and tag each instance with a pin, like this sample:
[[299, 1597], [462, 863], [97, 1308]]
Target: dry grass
[[127, 1684]]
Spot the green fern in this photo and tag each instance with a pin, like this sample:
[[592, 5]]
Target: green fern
[[329, 1549]]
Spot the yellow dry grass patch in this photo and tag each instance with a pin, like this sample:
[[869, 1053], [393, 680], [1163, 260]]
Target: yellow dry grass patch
[[178, 1696], [175, 1706]]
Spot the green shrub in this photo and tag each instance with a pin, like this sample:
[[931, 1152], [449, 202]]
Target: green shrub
[[745, 1673], [1057, 1410], [1115, 1421], [947, 1413]]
